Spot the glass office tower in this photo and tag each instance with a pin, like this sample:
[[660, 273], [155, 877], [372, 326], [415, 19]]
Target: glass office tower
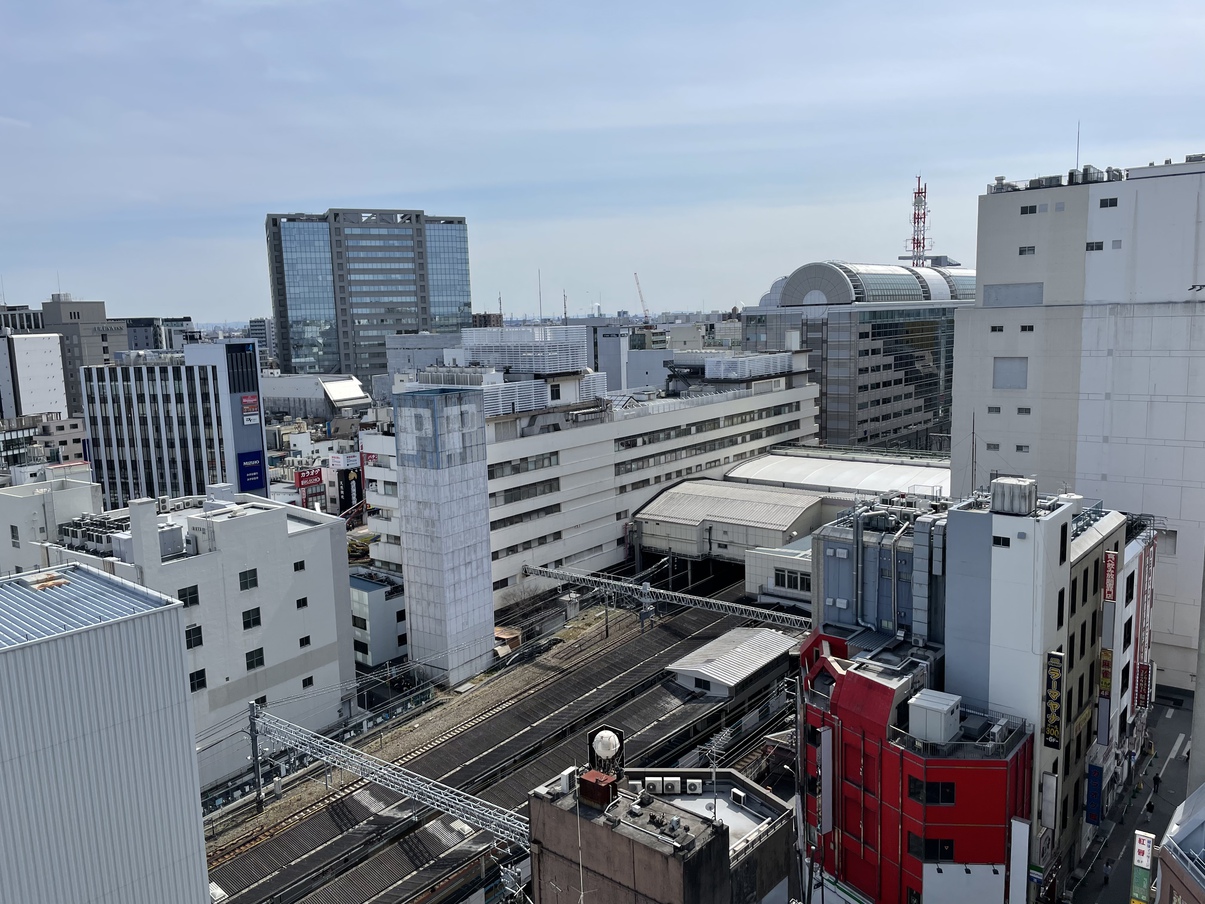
[[344, 280]]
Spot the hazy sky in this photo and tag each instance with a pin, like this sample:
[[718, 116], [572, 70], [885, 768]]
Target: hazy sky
[[710, 146]]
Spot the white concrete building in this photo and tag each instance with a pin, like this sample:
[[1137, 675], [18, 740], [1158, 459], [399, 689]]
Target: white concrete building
[[30, 515], [98, 797], [378, 618], [173, 423], [266, 606], [31, 375], [564, 480], [1080, 361]]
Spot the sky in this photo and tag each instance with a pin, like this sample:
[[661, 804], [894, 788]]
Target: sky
[[710, 147]]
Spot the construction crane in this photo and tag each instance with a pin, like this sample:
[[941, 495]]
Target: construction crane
[[648, 596], [640, 292]]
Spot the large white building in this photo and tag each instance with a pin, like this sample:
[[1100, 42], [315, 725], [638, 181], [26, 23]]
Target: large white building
[[173, 423], [31, 375], [1080, 361], [267, 609], [568, 468], [98, 795]]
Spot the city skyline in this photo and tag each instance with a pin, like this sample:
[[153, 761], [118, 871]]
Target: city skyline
[[585, 150]]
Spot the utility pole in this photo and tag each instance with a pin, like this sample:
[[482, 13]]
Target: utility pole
[[259, 778]]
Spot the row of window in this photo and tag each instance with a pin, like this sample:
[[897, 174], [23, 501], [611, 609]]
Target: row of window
[[1026, 250], [995, 409], [524, 546], [197, 682], [650, 461], [523, 465], [732, 420], [792, 580], [1028, 209], [524, 517], [1025, 328], [527, 491], [995, 447]]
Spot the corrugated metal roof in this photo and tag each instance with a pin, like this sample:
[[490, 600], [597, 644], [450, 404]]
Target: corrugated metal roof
[[41, 604], [843, 474], [730, 659], [696, 501]]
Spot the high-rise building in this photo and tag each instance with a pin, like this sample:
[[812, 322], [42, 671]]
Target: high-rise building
[[263, 331], [883, 338], [31, 375], [1079, 362], [99, 794], [171, 423], [344, 280], [89, 338], [157, 332]]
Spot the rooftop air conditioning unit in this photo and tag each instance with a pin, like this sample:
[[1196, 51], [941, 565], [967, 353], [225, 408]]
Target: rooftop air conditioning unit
[[738, 797], [694, 786], [652, 785], [672, 784], [636, 787], [999, 731]]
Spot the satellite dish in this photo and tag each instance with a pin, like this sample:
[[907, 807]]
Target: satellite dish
[[606, 744]]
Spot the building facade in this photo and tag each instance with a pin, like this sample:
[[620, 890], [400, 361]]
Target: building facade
[[89, 339], [344, 280], [1077, 362], [173, 423], [143, 333], [882, 338], [263, 331], [108, 654], [31, 375], [267, 610]]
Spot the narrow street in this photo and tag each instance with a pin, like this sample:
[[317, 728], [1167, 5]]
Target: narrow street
[[1171, 727]]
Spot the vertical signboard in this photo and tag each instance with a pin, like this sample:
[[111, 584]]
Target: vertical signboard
[[1092, 804], [1110, 577], [1142, 620], [1140, 873], [1106, 673], [825, 817], [1142, 686], [1052, 710]]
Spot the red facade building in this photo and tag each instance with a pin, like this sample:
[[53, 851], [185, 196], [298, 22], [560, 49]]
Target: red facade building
[[921, 790]]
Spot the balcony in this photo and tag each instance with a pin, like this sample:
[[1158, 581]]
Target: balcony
[[982, 735]]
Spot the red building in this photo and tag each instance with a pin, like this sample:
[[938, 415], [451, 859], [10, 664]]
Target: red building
[[920, 790]]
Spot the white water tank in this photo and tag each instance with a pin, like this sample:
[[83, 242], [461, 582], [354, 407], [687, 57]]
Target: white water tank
[[1014, 495], [934, 716], [1074, 500]]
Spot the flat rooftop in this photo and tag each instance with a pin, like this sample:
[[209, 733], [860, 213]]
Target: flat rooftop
[[54, 601], [820, 470], [694, 502]]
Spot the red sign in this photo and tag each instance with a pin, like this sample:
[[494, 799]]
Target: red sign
[[307, 477], [251, 404], [1110, 576], [369, 458]]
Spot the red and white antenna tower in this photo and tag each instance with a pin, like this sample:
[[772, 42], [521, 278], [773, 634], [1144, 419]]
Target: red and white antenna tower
[[920, 242]]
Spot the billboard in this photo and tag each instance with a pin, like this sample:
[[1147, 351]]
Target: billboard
[[252, 475], [1110, 576], [1092, 806], [1052, 710], [1142, 624], [343, 461], [1106, 673], [1142, 686], [307, 477], [351, 488]]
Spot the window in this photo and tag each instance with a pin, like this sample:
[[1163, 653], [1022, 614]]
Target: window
[[192, 636], [931, 850], [188, 596], [1094, 246], [303, 602], [930, 793], [304, 642], [1070, 651], [1096, 576], [299, 566], [402, 640], [1108, 202], [1002, 542], [1010, 373], [360, 647], [1165, 541], [1062, 545], [1130, 587], [1025, 250], [993, 447], [307, 681], [255, 659], [1062, 606], [1022, 447], [792, 580], [1060, 206], [1074, 594], [249, 579], [1027, 209], [196, 680], [16, 535], [993, 409], [1024, 411], [1027, 328], [702, 684], [358, 622], [554, 392], [401, 615], [251, 619], [997, 329], [1127, 636], [261, 701]]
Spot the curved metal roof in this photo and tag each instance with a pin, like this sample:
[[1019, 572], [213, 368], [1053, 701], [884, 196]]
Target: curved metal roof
[[837, 282]]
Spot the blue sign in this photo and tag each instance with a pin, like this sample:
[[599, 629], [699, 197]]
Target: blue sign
[[252, 475], [1096, 775]]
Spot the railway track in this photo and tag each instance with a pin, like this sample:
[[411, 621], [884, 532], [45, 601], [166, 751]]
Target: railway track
[[557, 671]]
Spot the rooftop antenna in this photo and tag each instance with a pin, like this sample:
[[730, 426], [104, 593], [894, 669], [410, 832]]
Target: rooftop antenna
[[920, 242], [565, 302], [714, 750], [1077, 144], [540, 293]]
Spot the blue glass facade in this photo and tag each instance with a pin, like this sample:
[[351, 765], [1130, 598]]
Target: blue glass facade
[[310, 293], [448, 295]]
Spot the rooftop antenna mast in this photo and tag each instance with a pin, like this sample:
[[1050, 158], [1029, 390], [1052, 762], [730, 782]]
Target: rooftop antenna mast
[[565, 302], [920, 241], [540, 293]]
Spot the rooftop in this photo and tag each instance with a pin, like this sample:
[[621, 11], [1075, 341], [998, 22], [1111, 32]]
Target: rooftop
[[1193, 163], [733, 657], [54, 601], [830, 471], [695, 501], [1185, 836]]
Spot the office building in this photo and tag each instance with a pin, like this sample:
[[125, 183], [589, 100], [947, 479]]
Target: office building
[[173, 423], [263, 331], [266, 613], [1181, 854], [568, 465], [344, 280], [882, 338], [98, 797], [20, 318], [1077, 363], [914, 791], [31, 375], [143, 333], [89, 339]]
